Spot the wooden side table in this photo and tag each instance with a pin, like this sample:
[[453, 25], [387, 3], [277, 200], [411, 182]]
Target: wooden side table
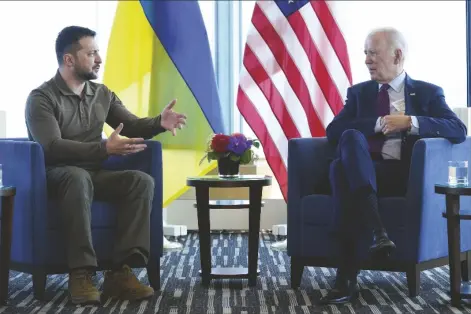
[[203, 205], [458, 289], [7, 193]]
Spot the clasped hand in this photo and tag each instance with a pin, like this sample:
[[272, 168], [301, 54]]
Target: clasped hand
[[394, 123]]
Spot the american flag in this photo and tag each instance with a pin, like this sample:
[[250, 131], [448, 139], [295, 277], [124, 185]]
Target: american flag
[[294, 76]]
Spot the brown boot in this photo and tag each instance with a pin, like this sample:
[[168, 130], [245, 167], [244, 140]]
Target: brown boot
[[124, 285], [81, 288]]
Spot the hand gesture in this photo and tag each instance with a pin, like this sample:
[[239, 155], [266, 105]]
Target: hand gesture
[[395, 123], [170, 120], [115, 145]]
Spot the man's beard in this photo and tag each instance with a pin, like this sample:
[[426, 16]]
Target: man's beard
[[85, 75]]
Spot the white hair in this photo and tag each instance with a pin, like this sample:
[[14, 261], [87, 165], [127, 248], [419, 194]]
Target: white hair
[[395, 38]]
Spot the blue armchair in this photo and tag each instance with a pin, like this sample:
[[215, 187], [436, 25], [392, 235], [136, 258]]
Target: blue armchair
[[38, 246], [413, 222]]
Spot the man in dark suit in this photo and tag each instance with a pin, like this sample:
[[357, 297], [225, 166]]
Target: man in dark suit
[[374, 133]]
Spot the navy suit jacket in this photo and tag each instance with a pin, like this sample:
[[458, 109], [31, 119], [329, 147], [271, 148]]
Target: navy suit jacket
[[423, 100]]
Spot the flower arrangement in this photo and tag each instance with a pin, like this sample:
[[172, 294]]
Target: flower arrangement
[[235, 147]]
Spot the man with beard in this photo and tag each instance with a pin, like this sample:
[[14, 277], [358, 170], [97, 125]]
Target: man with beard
[[66, 115]]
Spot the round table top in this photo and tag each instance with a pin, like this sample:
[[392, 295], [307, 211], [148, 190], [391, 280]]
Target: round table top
[[240, 181], [7, 190], [445, 188]]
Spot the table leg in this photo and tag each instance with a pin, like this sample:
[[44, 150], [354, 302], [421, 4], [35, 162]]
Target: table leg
[[6, 235], [255, 195], [453, 227], [202, 205]]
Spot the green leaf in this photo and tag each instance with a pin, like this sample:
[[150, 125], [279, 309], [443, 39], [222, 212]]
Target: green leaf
[[246, 157], [212, 156], [202, 159], [234, 157]]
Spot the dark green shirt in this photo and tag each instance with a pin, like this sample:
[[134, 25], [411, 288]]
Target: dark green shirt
[[69, 127]]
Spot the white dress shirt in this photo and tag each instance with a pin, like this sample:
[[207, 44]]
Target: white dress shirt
[[392, 145]]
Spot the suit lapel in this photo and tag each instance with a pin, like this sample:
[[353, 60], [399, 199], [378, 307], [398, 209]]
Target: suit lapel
[[409, 96]]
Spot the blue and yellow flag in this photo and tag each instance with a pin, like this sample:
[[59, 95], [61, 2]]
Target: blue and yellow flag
[[159, 51]]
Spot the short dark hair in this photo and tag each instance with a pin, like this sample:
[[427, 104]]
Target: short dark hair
[[68, 40]]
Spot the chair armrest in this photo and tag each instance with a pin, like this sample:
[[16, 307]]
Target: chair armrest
[[143, 161], [308, 173], [424, 222], [23, 167], [150, 162], [308, 164]]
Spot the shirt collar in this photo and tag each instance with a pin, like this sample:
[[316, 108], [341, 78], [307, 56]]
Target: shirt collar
[[65, 90], [397, 83]]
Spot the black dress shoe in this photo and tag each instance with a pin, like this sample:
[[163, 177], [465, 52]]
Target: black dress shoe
[[382, 246], [341, 294]]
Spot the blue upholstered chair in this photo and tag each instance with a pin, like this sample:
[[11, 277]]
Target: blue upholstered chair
[[413, 222], [38, 245]]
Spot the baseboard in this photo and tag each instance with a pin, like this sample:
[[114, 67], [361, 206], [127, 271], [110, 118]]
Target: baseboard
[[175, 230], [280, 230], [182, 212]]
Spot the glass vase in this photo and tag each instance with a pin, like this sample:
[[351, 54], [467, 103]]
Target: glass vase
[[228, 168]]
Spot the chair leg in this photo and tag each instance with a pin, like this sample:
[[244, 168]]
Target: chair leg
[[413, 280], [39, 284], [153, 274], [466, 267], [297, 269]]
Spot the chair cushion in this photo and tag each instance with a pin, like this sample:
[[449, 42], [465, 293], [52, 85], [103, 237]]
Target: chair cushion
[[317, 239], [103, 215], [317, 210]]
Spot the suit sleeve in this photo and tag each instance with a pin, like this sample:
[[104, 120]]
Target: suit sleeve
[[441, 120], [347, 119]]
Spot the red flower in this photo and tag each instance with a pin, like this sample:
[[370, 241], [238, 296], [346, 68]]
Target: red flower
[[219, 143]]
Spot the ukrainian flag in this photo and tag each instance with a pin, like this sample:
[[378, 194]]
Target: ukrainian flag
[[158, 51]]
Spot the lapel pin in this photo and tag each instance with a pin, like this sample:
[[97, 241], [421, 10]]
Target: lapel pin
[[412, 94]]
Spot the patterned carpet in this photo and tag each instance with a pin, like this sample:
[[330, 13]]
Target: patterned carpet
[[181, 292]]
